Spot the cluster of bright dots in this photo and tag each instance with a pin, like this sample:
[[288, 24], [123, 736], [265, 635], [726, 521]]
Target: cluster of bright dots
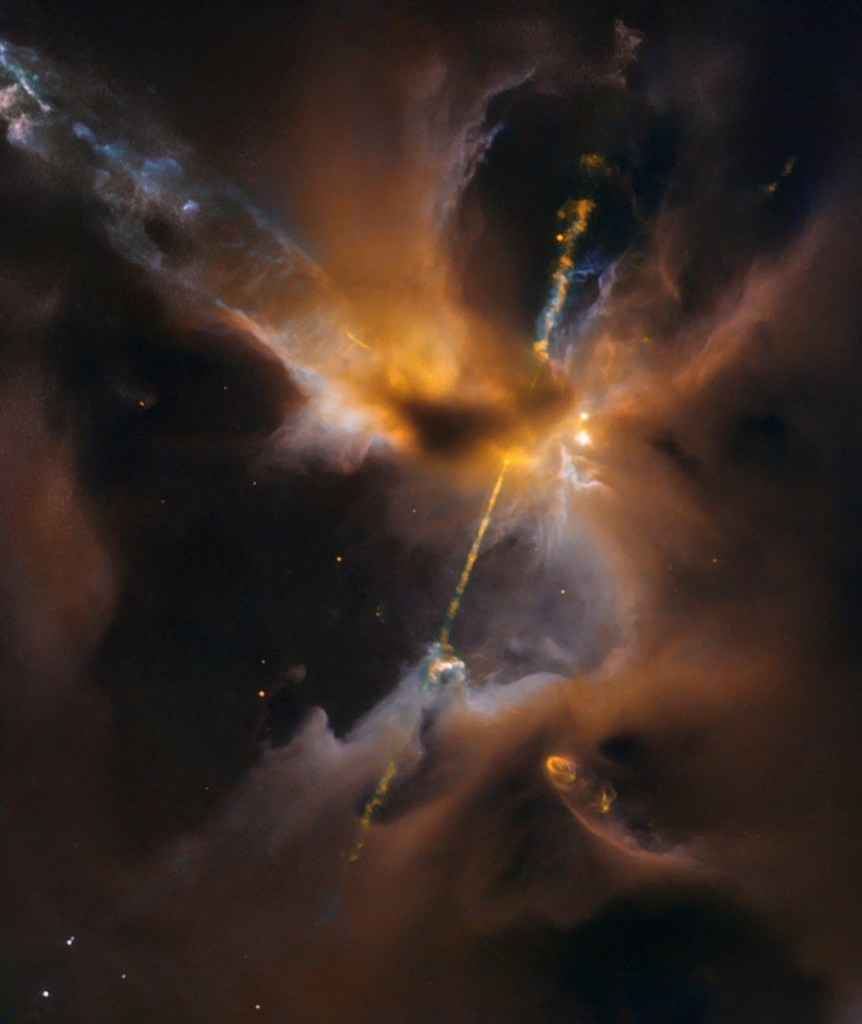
[[582, 437], [46, 993]]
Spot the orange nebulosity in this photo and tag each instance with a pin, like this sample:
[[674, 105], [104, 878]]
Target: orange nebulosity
[[579, 787]]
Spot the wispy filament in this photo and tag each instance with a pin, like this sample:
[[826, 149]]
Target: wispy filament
[[472, 555]]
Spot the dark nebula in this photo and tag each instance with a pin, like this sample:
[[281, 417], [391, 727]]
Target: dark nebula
[[277, 290]]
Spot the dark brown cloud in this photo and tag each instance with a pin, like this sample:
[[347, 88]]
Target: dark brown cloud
[[206, 537]]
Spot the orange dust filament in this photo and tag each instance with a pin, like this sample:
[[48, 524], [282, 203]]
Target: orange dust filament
[[372, 808], [472, 555]]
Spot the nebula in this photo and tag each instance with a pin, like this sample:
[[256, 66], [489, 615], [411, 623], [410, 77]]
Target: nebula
[[430, 564]]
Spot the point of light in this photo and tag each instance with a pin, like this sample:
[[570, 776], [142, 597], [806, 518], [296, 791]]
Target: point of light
[[583, 438]]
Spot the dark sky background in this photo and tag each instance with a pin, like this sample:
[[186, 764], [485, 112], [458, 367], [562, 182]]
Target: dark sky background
[[228, 536]]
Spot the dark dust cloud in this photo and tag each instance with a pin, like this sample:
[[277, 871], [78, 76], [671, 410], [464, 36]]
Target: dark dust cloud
[[287, 292]]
